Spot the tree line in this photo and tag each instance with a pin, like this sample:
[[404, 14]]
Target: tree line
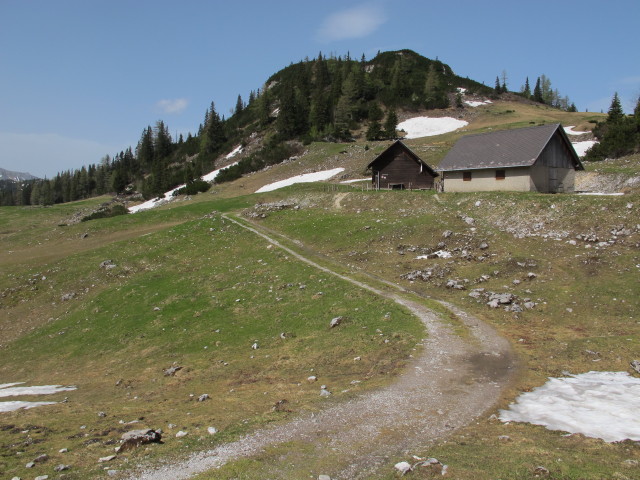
[[618, 135]]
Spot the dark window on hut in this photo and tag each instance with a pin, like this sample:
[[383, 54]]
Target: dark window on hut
[[466, 176], [500, 174]]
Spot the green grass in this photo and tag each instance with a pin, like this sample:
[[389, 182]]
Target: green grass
[[198, 293]]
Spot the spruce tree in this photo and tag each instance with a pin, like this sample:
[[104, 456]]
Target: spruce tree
[[526, 91], [390, 124], [239, 105], [497, 87], [615, 113], [537, 92]]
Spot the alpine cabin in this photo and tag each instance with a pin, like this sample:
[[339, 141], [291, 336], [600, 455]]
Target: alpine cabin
[[399, 168], [532, 159]]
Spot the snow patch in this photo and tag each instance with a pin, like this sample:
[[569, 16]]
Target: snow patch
[[582, 147], [234, 152], [168, 196], [10, 390], [602, 194], [306, 178], [439, 253], [12, 406], [357, 180], [596, 404], [477, 103], [418, 127], [570, 130], [37, 390]]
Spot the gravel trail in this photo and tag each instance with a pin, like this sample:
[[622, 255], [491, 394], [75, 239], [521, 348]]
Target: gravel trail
[[450, 383]]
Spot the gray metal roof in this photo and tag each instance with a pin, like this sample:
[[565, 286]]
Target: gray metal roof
[[519, 147]]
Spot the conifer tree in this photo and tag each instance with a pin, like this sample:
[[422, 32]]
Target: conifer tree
[[615, 113], [390, 124], [537, 92], [239, 105], [497, 87], [526, 90]]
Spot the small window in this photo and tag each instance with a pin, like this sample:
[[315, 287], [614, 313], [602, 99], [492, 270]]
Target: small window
[[500, 174], [466, 176]]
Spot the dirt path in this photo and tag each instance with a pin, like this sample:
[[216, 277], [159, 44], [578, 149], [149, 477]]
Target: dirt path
[[452, 382]]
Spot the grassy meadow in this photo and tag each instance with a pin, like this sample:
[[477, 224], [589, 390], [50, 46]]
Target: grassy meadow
[[194, 290]]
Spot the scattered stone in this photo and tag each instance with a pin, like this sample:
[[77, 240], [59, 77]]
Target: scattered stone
[[324, 392], [107, 264], [171, 371], [30, 465], [203, 397], [42, 458], [324, 477], [540, 470], [106, 459], [502, 298], [67, 296], [504, 438], [212, 430], [455, 284], [181, 434], [447, 233], [403, 467], [63, 450], [135, 438], [636, 365], [312, 379], [529, 305], [335, 322], [102, 414], [61, 468], [281, 406], [483, 246], [112, 473], [469, 220], [255, 346], [42, 477], [531, 275]]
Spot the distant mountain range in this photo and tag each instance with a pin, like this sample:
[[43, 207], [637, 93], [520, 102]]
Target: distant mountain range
[[15, 176]]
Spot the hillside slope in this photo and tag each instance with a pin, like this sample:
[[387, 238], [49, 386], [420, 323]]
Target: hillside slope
[[108, 305]]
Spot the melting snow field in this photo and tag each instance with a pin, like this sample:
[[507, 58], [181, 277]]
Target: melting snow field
[[10, 390], [168, 196], [570, 130], [582, 147], [418, 127], [308, 177], [602, 405]]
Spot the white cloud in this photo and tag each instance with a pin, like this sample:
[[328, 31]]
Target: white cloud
[[45, 154], [355, 22], [177, 105]]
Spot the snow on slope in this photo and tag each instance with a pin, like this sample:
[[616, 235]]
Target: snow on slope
[[602, 405], [308, 177], [168, 196], [10, 390], [582, 147], [418, 127], [570, 130]]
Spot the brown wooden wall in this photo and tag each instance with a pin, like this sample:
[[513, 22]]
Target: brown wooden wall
[[400, 168]]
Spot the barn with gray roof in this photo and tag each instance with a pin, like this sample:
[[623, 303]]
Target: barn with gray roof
[[532, 159]]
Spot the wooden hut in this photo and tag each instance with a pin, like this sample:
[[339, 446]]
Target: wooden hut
[[399, 168]]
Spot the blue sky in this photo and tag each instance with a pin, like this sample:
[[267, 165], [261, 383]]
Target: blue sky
[[81, 78]]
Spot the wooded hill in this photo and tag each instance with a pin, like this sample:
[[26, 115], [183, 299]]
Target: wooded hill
[[321, 99]]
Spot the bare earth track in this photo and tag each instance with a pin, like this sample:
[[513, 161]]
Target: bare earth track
[[453, 381]]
